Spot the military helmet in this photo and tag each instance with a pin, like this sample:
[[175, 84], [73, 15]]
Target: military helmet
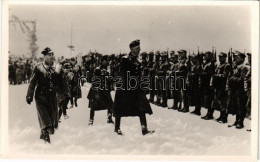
[[222, 54]]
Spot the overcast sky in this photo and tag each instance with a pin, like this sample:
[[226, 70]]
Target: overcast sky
[[109, 29]]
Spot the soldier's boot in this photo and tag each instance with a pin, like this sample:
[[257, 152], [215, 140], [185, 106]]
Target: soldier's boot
[[180, 105], [240, 124], [109, 120], [66, 117], [76, 104], [151, 99], [220, 118], [236, 122], [145, 131], [47, 139], [196, 111], [185, 109], [164, 103], [117, 126], [225, 117], [158, 102], [175, 105], [90, 122], [209, 115], [118, 131]]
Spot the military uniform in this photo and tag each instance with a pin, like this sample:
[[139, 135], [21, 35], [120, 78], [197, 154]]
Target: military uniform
[[194, 92], [155, 85], [182, 73], [218, 81], [248, 87], [161, 72], [131, 102], [48, 79], [235, 86], [151, 74], [175, 94], [63, 96], [208, 69], [144, 68]]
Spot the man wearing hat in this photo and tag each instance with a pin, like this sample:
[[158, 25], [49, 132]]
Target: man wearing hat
[[48, 79], [208, 69], [193, 84], [131, 101], [235, 87], [218, 83], [100, 98], [182, 73], [161, 74]]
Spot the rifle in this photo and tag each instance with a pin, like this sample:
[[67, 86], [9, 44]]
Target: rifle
[[199, 58], [189, 62], [215, 55], [230, 60]]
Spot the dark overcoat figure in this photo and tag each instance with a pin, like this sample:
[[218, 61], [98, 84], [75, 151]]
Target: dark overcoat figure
[[100, 98], [193, 85], [237, 102], [48, 80], [75, 84], [130, 102]]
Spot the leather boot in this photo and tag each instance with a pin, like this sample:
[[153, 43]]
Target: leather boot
[[145, 131]]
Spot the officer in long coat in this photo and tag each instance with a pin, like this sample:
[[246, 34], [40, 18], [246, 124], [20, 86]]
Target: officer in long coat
[[235, 87], [99, 95], [47, 77], [130, 100], [218, 83]]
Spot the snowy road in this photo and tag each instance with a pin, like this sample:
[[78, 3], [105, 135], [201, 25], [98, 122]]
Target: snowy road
[[176, 133]]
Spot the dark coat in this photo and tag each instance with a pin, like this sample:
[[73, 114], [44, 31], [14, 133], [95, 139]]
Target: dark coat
[[47, 82], [75, 84], [132, 102], [208, 69], [100, 99], [235, 85], [193, 86]]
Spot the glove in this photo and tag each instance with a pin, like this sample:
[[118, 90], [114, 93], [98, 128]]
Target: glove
[[29, 100]]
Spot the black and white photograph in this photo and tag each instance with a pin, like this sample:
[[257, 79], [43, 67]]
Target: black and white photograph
[[130, 79]]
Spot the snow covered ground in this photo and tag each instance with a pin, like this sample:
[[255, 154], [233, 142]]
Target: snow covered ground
[[176, 133]]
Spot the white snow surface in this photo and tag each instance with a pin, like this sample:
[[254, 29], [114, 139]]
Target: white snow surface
[[176, 133]]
